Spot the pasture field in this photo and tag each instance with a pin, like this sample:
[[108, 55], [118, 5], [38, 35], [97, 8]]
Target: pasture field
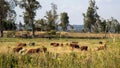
[[61, 56]]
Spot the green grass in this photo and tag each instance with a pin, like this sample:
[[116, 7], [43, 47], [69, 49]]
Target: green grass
[[60, 57]]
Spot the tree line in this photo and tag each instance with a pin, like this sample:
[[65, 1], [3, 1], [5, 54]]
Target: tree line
[[92, 21]]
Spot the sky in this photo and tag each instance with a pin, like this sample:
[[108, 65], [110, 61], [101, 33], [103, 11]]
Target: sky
[[75, 8]]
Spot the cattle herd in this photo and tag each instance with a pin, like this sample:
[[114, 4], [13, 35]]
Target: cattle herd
[[20, 48]]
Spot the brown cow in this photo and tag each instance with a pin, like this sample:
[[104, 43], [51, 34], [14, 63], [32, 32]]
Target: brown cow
[[85, 48], [67, 44], [102, 47], [100, 42], [54, 44], [21, 44], [17, 49], [37, 50], [62, 44], [74, 45]]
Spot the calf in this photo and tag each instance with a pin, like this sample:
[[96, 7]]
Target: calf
[[102, 47], [100, 42], [21, 44], [37, 50], [17, 49], [54, 44], [85, 48]]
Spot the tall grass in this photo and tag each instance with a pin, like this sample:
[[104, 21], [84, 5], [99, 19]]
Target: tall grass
[[103, 59]]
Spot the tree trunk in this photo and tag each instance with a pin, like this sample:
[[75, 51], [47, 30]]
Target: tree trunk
[[1, 28], [33, 29], [1, 33]]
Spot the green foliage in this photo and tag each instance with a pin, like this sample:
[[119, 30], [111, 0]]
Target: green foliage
[[9, 25], [6, 13], [91, 17], [93, 23], [30, 7], [52, 32], [41, 24], [51, 18], [64, 21]]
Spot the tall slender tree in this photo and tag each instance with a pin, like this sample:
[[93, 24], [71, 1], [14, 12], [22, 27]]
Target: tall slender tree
[[64, 21], [30, 7], [52, 17], [6, 12], [91, 16]]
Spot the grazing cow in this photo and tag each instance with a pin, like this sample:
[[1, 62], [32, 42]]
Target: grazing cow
[[61, 44], [37, 50], [85, 48], [21, 44], [54, 44], [17, 49], [102, 47], [32, 44], [74, 45], [44, 49], [100, 42]]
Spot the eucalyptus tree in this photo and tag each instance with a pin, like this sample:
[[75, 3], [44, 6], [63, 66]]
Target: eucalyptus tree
[[30, 7], [6, 13], [91, 16], [64, 21], [52, 18], [41, 24]]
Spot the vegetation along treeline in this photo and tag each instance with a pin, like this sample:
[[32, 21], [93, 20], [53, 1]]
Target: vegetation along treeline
[[92, 21]]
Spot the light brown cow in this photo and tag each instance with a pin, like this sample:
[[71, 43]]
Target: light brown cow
[[17, 49], [37, 50], [21, 44]]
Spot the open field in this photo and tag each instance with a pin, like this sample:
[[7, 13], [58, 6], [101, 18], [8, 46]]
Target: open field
[[60, 57]]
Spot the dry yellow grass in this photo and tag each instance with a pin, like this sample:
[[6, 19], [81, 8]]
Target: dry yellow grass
[[9, 44], [67, 58]]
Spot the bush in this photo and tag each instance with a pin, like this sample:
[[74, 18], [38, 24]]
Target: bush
[[11, 34]]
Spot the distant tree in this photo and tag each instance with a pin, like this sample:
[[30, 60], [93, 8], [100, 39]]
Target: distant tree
[[113, 25], [6, 12], [64, 21], [91, 17], [41, 24], [51, 18], [30, 7], [103, 26]]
